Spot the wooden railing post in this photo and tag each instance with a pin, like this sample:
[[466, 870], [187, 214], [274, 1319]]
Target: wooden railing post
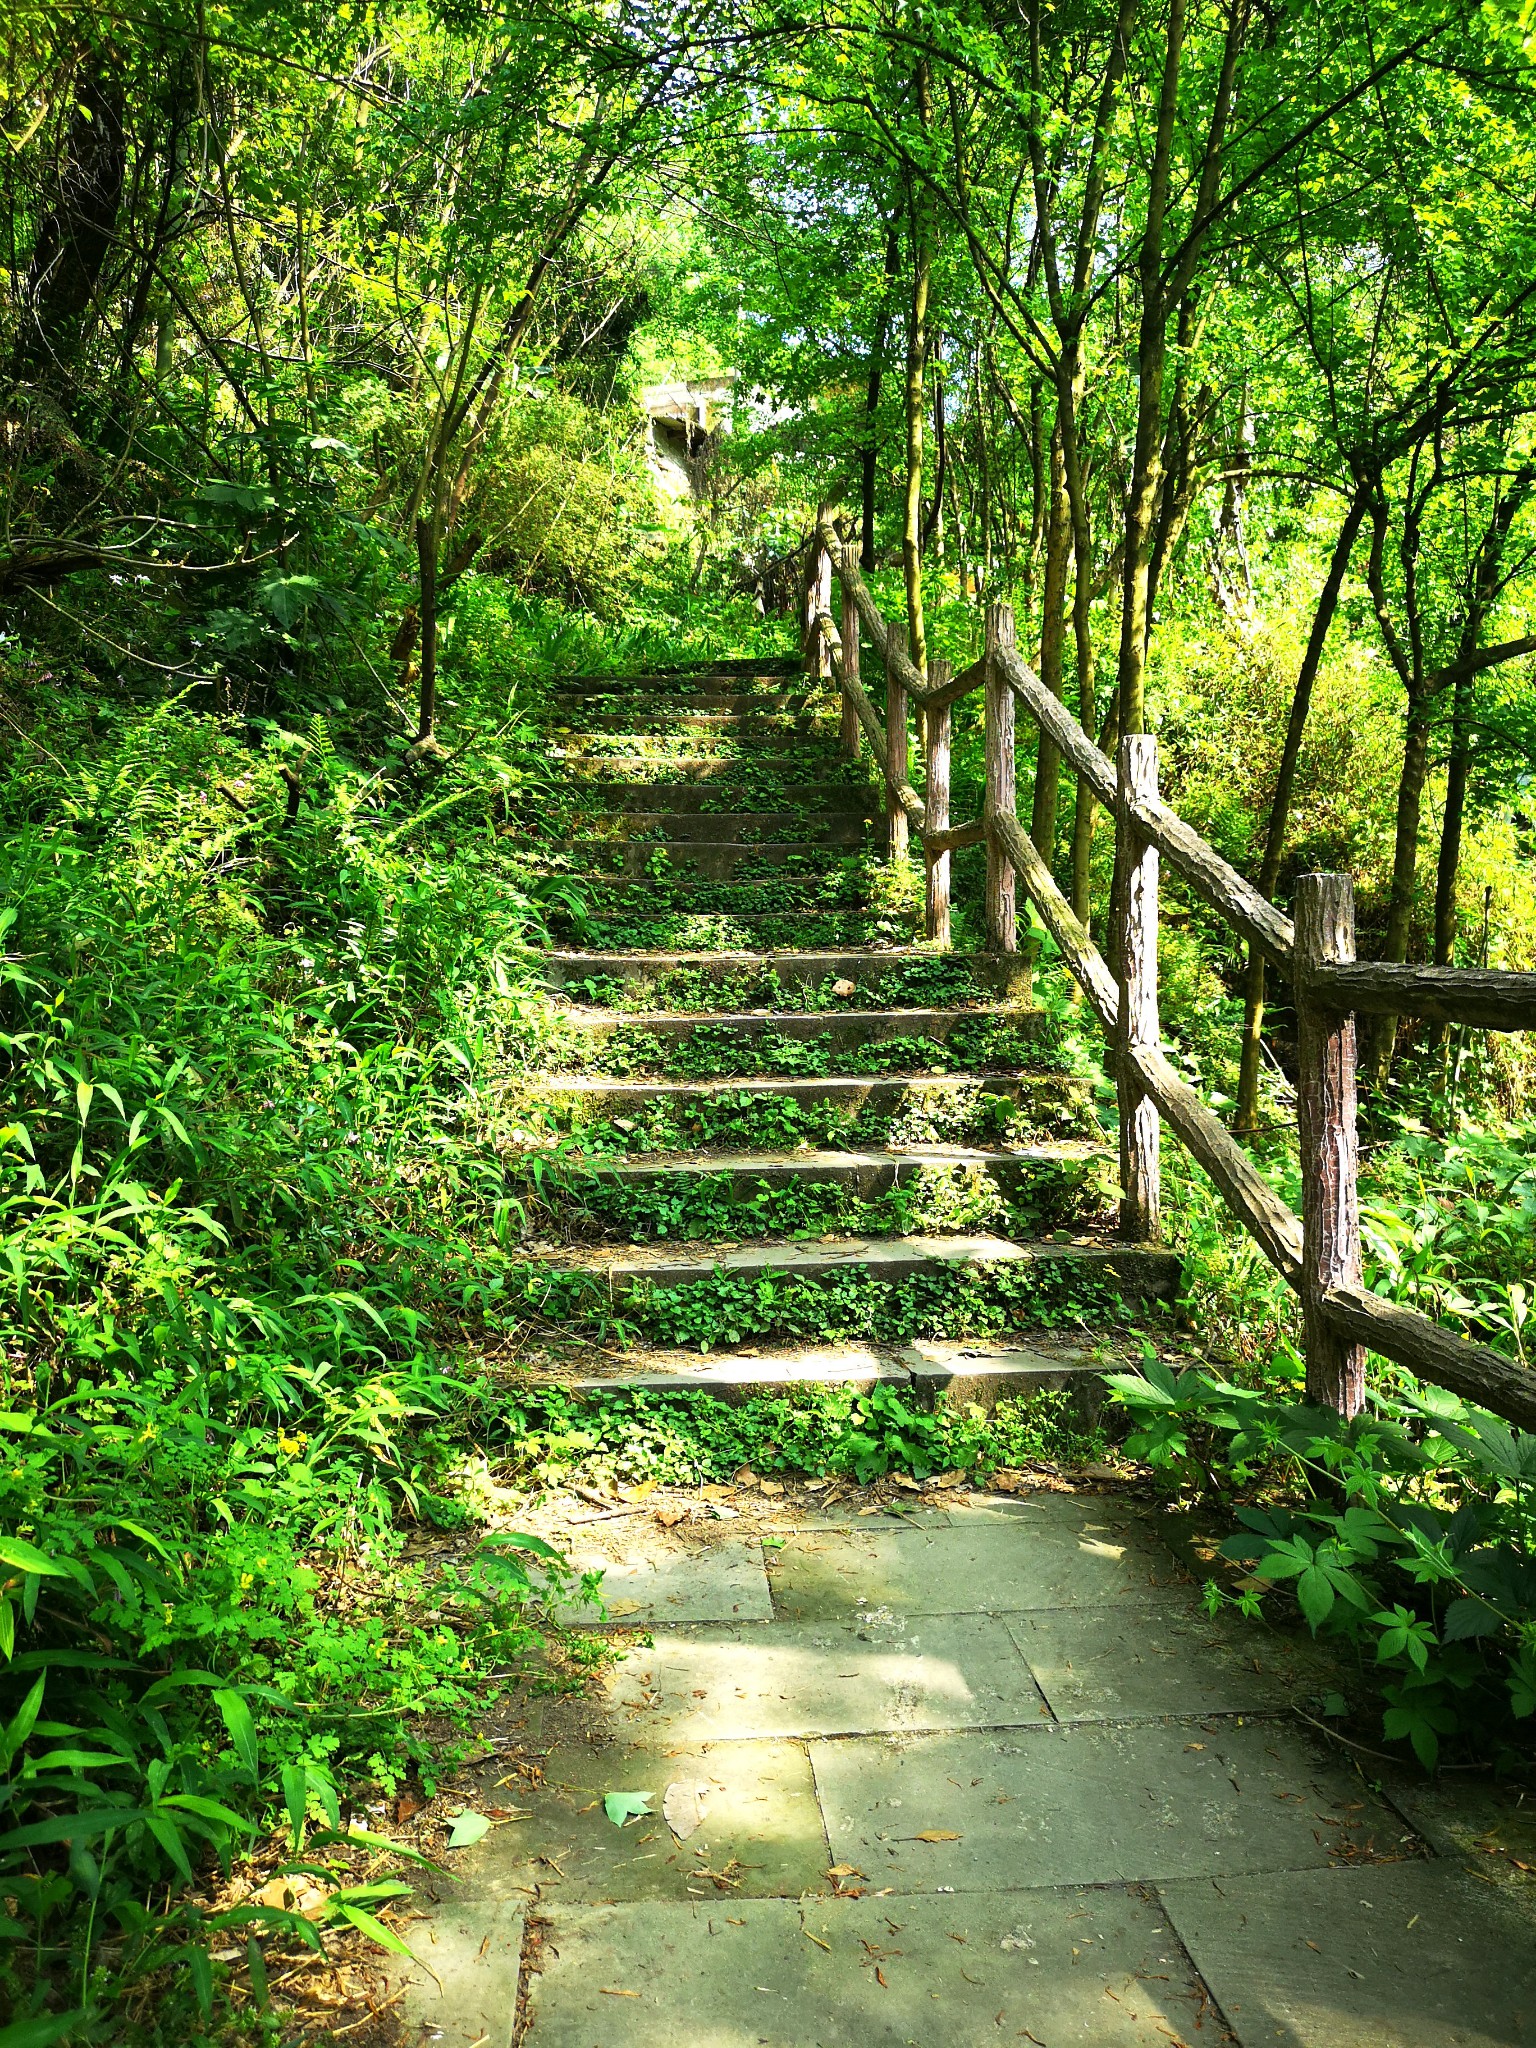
[[1140, 1165], [848, 731], [1330, 1146], [937, 721], [1001, 794], [898, 764], [818, 599]]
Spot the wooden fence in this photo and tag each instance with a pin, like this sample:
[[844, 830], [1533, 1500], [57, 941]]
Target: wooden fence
[[1318, 1253]]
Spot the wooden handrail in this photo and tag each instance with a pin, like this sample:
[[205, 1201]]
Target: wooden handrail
[[1486, 998], [1180, 844], [1320, 1256]]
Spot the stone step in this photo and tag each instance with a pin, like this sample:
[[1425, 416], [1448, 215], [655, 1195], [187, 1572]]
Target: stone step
[[1138, 1271], [790, 894], [929, 1373], [719, 698], [814, 748], [869, 1174], [715, 859], [595, 1096], [695, 929], [675, 800], [1003, 974], [842, 1029], [678, 772], [680, 718], [690, 683], [830, 828]]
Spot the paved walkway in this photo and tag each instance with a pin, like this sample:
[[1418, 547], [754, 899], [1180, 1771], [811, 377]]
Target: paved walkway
[[983, 1775]]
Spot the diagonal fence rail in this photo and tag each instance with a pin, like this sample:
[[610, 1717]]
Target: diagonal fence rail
[[1318, 1252]]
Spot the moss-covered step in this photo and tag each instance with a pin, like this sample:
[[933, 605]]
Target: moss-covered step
[[814, 752], [857, 826], [670, 1116], [573, 706], [705, 931], [626, 896], [867, 1173], [910, 972], [687, 718], [738, 1196], [701, 1046], [618, 799], [717, 859], [840, 1031], [1136, 1272], [711, 773]]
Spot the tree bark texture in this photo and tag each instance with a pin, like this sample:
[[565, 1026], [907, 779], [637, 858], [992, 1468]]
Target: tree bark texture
[[1001, 771], [1330, 1146], [1140, 1173]]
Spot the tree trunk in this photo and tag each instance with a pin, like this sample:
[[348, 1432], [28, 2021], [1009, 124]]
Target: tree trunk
[[426, 561], [869, 454], [933, 526], [1053, 634], [1280, 808], [916, 400], [75, 235], [1151, 358], [1455, 813]]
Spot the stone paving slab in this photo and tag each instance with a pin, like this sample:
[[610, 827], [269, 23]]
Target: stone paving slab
[[1406, 1955], [1093, 1804], [644, 1583], [761, 1832], [803, 1974], [1059, 1550], [947, 1671], [1148, 1659], [461, 1991]]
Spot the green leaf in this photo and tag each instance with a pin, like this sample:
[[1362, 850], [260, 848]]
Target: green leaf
[[296, 1799], [23, 1722], [168, 1835], [1315, 1594], [1464, 1618], [26, 1557], [623, 1807], [199, 1964], [468, 1828], [72, 1827], [242, 1729], [375, 1929], [210, 1809], [40, 2032]]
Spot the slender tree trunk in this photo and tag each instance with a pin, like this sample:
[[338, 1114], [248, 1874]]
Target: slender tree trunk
[[426, 564], [869, 454], [1151, 358], [1280, 807], [933, 526], [1455, 813], [1053, 634], [916, 399]]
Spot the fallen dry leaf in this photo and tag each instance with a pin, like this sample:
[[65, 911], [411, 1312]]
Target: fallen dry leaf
[[938, 1835], [843, 987], [682, 1806], [670, 1517]]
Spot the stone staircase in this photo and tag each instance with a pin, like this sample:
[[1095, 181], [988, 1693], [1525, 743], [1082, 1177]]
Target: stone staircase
[[763, 1119]]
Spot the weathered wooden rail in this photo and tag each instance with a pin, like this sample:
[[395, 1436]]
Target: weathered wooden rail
[[1318, 1252]]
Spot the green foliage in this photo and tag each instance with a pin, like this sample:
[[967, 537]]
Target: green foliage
[[683, 1441], [1407, 1536], [231, 1044]]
